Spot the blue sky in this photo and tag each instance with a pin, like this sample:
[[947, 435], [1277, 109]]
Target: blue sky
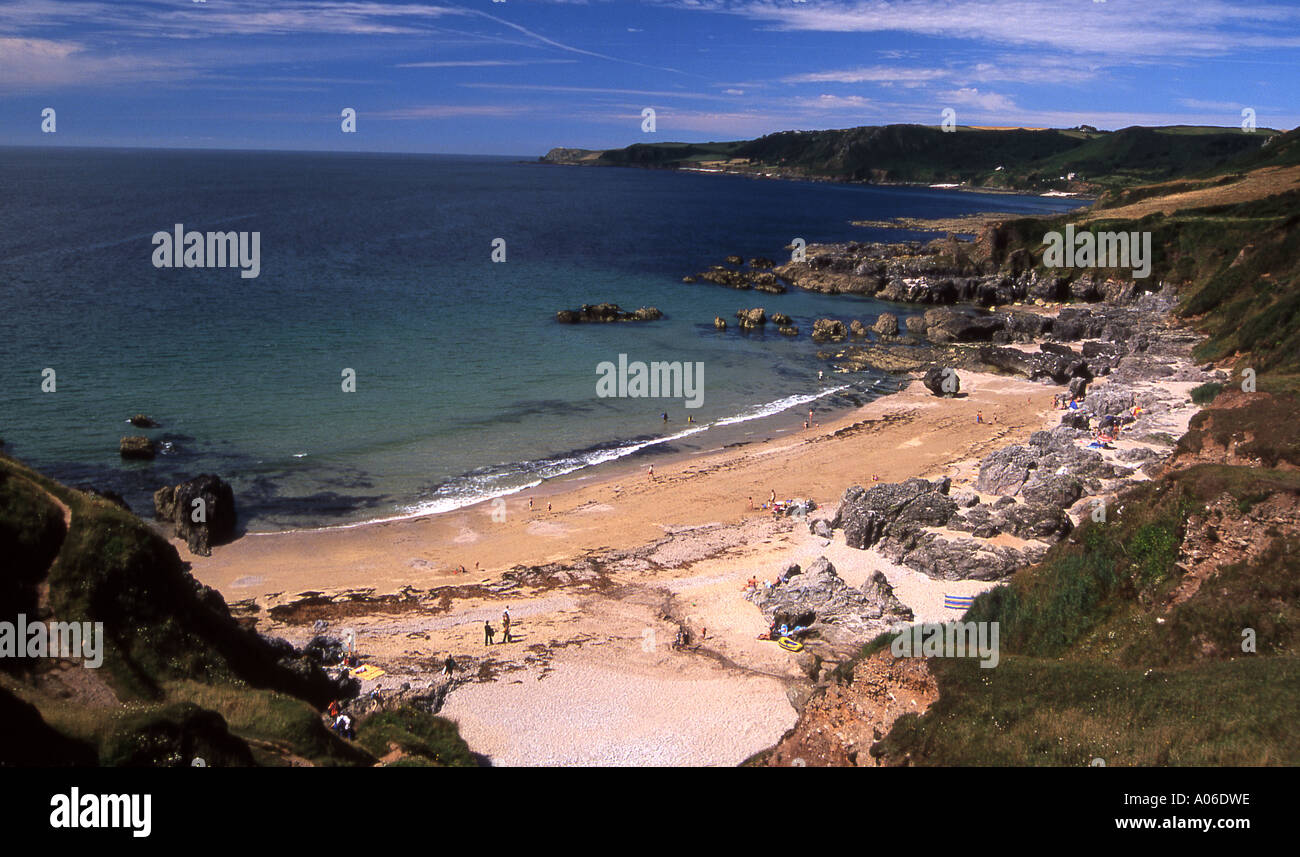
[[521, 76]]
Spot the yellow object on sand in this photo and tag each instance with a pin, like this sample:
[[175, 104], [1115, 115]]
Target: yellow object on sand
[[790, 645], [365, 672]]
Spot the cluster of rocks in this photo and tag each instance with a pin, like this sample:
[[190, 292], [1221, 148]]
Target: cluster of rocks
[[899, 519], [200, 511], [758, 277], [946, 271], [1077, 346], [606, 312], [821, 601]]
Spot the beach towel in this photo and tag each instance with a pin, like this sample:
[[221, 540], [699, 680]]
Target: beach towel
[[958, 602], [365, 672]]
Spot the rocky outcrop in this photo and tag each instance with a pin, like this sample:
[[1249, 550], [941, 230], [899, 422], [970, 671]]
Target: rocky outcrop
[[201, 524], [946, 324], [606, 312], [143, 421], [886, 324], [719, 323], [832, 610], [759, 277], [958, 559], [751, 318], [984, 273], [866, 516], [137, 448], [829, 329]]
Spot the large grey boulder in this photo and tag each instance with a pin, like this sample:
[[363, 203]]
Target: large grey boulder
[[1005, 470], [820, 600], [866, 516]]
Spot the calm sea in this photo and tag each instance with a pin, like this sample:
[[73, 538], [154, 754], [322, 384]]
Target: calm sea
[[466, 387]]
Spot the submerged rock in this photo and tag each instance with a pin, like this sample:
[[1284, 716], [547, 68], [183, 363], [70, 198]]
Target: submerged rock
[[606, 312], [137, 448]]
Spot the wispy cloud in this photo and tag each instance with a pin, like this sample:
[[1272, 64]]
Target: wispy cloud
[[1118, 27], [478, 63]]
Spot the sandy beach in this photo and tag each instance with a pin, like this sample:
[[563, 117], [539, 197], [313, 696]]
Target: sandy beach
[[591, 677]]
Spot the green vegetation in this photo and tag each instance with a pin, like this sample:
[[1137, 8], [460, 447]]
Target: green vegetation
[[1029, 159], [1097, 662], [1205, 393], [180, 678], [1107, 649], [428, 740]]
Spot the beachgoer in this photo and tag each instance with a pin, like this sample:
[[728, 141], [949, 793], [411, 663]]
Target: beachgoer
[[810, 416], [505, 625], [449, 666], [665, 416], [772, 499], [548, 506], [979, 416], [819, 374], [488, 633], [334, 708], [530, 504]]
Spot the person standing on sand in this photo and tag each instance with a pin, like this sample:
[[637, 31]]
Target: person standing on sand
[[652, 473], [505, 625], [772, 499], [979, 416], [487, 633], [751, 504]]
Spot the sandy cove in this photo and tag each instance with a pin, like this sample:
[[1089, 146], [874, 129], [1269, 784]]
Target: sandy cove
[[591, 678]]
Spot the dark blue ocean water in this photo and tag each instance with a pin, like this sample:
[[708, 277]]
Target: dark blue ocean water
[[466, 386]]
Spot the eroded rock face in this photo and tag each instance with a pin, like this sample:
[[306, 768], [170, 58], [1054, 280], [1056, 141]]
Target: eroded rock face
[[201, 525], [833, 610], [866, 516], [1005, 470], [958, 559]]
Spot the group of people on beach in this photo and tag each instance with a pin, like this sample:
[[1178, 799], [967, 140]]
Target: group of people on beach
[[489, 633]]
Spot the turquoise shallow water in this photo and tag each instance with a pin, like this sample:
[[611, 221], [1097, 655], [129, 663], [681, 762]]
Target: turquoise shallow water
[[466, 386]]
